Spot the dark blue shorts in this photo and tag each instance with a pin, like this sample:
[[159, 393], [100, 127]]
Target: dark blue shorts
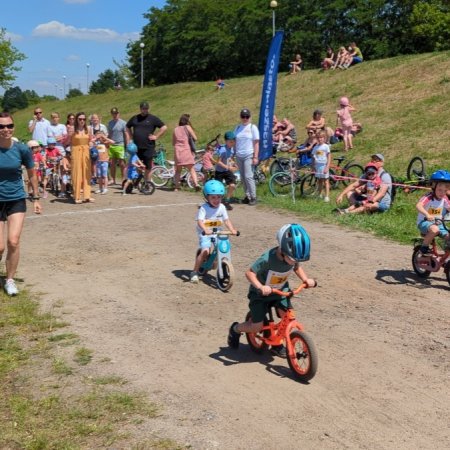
[[12, 207]]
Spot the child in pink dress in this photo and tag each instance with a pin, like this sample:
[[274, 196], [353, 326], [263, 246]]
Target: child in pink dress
[[345, 118], [208, 161]]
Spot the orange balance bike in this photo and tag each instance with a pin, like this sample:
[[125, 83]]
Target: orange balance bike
[[425, 264], [301, 352]]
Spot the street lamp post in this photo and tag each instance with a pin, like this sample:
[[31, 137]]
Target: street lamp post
[[87, 78], [64, 86], [273, 5], [142, 45], [56, 90]]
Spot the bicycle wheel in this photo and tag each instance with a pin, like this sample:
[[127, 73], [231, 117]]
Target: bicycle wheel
[[255, 340], [308, 186], [447, 271], [279, 165], [200, 179], [226, 281], [353, 171], [420, 271], [146, 187], [160, 176], [416, 170], [56, 184], [304, 361], [280, 184]]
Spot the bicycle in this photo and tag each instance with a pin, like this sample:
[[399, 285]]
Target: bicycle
[[282, 184], [220, 259], [301, 351], [160, 175], [338, 174], [422, 264], [416, 171], [160, 156], [143, 186]]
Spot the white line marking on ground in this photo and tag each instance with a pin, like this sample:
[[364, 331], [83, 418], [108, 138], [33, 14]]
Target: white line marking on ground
[[97, 211]]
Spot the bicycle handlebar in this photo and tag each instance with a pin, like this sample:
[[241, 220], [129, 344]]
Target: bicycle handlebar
[[214, 140], [444, 222], [291, 292], [223, 233]]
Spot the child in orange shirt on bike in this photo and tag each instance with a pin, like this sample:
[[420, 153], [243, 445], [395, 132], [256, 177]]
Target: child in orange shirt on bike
[[271, 271], [212, 214]]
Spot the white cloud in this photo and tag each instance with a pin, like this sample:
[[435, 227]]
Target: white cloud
[[60, 30], [72, 57], [13, 37]]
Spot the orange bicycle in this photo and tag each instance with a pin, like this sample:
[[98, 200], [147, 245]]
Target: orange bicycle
[[301, 352]]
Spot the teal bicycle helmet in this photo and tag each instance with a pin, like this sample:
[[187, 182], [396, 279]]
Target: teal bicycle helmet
[[440, 176], [294, 242], [132, 148], [213, 187]]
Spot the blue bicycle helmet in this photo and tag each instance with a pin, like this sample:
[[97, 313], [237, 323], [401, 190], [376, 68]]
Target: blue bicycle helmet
[[132, 148], [440, 175], [294, 242], [213, 187]]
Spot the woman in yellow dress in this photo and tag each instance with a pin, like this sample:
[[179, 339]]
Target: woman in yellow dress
[[80, 159]]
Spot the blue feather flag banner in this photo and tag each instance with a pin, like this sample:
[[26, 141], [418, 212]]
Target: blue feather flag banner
[[268, 96]]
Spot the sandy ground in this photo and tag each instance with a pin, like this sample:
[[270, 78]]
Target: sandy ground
[[117, 271]]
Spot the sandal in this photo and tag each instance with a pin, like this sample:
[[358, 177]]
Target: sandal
[[90, 200], [78, 202]]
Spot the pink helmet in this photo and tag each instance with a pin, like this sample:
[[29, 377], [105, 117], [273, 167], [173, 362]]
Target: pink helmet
[[344, 101]]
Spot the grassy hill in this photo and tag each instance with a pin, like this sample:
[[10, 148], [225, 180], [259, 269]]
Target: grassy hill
[[403, 104]]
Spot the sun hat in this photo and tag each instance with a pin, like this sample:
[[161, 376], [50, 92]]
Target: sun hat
[[229, 135]]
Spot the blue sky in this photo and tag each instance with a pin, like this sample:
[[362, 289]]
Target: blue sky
[[61, 37]]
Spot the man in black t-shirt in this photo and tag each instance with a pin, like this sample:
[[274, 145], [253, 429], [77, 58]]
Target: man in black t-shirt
[[141, 130]]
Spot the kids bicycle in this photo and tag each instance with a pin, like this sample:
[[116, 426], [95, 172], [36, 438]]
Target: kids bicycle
[[423, 265], [301, 351], [220, 259]]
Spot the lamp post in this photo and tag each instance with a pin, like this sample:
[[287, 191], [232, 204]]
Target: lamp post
[[87, 78], [142, 45], [64, 86], [273, 5], [56, 90]]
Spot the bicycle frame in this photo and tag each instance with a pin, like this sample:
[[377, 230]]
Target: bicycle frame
[[434, 261], [221, 248]]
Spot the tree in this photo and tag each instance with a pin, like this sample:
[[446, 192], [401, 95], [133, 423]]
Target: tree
[[14, 99], [106, 81], [9, 56], [32, 97], [74, 93]]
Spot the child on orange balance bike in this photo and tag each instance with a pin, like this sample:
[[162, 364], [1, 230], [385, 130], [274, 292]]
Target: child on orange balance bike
[[271, 271]]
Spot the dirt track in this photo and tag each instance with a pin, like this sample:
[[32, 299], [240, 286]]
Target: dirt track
[[382, 335]]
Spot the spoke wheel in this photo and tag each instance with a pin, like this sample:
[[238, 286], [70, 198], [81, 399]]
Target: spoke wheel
[[279, 165], [280, 184], [160, 176], [422, 273], [255, 340], [226, 281], [354, 171], [416, 170], [308, 185], [200, 179], [147, 187], [304, 361]]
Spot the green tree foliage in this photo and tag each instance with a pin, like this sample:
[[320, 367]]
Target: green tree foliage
[[74, 93], [14, 99], [9, 56], [106, 81], [189, 40], [32, 97]]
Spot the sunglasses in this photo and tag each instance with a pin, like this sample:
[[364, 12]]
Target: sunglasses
[[35, 147], [10, 126], [245, 117], [38, 112], [81, 118]]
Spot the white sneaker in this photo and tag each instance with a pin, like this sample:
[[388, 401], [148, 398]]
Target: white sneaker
[[98, 191], [326, 199], [194, 277], [10, 287], [105, 191]]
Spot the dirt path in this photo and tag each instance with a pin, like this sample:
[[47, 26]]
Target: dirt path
[[119, 267]]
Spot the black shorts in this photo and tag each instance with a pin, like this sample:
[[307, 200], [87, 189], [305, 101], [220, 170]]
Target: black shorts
[[146, 156], [228, 176], [12, 207]]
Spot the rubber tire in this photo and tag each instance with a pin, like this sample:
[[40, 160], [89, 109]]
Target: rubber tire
[[159, 176], [146, 187], [308, 186], [200, 178], [352, 170], [276, 167], [280, 184], [255, 339], [308, 355], [412, 174], [420, 272], [447, 271], [225, 283]]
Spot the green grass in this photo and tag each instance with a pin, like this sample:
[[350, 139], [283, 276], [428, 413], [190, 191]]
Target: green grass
[[46, 404], [402, 102]]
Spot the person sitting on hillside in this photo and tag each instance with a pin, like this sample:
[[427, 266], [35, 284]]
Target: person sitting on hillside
[[329, 60], [343, 59], [296, 65], [318, 124], [304, 150], [286, 136], [355, 54]]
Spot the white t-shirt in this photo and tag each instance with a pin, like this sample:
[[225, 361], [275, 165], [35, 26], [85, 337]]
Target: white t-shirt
[[320, 153], [245, 135], [212, 217], [41, 130]]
